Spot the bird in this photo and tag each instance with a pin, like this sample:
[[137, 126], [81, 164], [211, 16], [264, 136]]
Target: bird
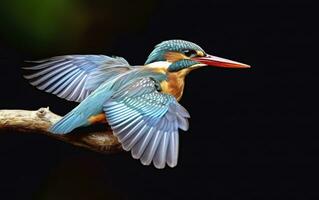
[[139, 102]]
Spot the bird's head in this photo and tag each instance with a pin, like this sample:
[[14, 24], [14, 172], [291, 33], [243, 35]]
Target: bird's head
[[182, 54]]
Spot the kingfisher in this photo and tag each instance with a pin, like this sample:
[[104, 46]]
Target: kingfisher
[[140, 103]]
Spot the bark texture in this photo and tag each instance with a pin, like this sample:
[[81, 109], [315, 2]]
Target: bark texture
[[39, 121]]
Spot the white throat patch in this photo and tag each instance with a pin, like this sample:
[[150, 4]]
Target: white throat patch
[[159, 64]]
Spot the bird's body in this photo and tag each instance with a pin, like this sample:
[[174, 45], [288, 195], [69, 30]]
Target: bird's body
[[172, 85], [140, 103]]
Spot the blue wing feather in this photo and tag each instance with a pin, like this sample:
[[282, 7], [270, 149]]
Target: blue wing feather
[[146, 122], [74, 77], [93, 104]]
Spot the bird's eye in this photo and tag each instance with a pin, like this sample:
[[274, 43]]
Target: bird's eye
[[190, 53]]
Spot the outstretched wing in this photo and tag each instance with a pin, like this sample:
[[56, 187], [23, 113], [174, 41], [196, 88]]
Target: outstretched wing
[[146, 122], [74, 77]]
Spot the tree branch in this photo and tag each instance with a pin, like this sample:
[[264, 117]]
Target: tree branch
[[39, 121]]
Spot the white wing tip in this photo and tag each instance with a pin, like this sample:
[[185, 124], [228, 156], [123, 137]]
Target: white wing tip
[[145, 162], [173, 164], [159, 165]]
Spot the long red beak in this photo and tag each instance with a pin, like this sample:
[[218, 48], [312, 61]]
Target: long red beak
[[219, 62]]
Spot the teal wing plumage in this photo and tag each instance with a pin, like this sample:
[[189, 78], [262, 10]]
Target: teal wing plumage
[[74, 77], [90, 106], [93, 104], [146, 122]]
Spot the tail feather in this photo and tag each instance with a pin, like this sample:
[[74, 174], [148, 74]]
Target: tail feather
[[68, 123]]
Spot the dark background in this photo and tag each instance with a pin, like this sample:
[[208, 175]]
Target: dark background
[[253, 133]]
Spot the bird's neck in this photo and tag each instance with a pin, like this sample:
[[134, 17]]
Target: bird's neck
[[174, 85]]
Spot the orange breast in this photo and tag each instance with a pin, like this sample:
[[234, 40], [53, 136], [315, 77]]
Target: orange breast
[[174, 84], [175, 80]]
